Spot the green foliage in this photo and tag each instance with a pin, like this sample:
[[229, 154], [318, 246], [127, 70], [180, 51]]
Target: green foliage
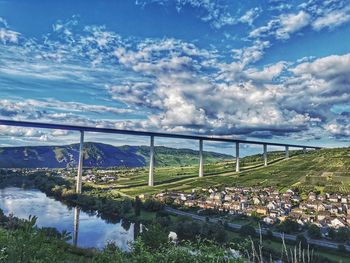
[[301, 240], [152, 205], [288, 226], [247, 230], [340, 235], [26, 243], [188, 230], [314, 231], [154, 237], [137, 206]]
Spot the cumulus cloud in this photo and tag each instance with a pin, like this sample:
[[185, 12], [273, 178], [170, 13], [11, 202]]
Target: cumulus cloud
[[291, 23], [178, 86], [332, 19], [283, 26]]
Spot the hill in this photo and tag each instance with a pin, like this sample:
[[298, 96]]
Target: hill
[[99, 155], [319, 170]]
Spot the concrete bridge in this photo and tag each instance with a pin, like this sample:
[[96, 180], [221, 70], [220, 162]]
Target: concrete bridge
[[152, 136]]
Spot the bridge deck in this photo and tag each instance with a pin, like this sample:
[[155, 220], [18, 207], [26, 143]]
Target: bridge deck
[[141, 133]]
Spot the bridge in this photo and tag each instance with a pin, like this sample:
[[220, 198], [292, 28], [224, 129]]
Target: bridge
[[152, 136]]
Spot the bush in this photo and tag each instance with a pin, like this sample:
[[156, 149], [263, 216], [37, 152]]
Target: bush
[[153, 205], [154, 237], [314, 232], [247, 230]]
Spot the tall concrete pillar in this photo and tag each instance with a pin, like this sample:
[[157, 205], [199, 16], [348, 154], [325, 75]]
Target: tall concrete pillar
[[201, 162], [76, 226], [287, 152], [265, 154], [151, 163], [237, 156], [80, 164]]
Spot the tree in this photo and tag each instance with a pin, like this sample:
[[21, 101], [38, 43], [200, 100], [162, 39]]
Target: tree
[[288, 226], [343, 234], [247, 230], [154, 237], [314, 232], [269, 234], [301, 240], [137, 206], [153, 205], [187, 230]]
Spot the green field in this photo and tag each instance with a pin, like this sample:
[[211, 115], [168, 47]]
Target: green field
[[326, 169]]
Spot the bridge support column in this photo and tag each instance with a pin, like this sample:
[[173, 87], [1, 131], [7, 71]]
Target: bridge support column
[[151, 163], [237, 156], [265, 154], [80, 164], [201, 161], [287, 152]]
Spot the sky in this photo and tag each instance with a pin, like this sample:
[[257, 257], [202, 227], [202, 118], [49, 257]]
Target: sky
[[268, 70]]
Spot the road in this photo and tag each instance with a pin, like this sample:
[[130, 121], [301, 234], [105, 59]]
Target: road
[[316, 242]]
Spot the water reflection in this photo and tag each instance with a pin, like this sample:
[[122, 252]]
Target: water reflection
[[76, 225], [87, 229]]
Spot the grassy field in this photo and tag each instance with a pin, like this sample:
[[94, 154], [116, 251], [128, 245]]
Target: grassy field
[[326, 169]]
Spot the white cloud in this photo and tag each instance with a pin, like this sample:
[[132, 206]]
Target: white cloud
[[283, 26], [178, 86], [332, 19], [250, 16], [8, 36], [291, 23]]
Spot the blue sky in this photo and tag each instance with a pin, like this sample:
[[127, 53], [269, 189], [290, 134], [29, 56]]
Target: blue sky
[[269, 70]]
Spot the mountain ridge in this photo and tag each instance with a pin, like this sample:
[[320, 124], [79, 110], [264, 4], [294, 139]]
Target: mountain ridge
[[99, 155]]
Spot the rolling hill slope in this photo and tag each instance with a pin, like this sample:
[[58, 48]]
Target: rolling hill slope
[[321, 170]]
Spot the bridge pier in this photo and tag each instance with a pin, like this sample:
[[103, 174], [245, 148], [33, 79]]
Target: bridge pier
[[265, 154], [237, 156], [201, 161], [151, 163], [80, 164], [287, 152]]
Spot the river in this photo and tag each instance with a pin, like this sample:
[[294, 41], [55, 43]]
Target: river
[[87, 230]]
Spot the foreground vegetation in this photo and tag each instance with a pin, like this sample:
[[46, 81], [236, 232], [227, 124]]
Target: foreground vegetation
[[22, 242]]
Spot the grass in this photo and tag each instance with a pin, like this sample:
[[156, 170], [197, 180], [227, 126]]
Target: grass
[[300, 171]]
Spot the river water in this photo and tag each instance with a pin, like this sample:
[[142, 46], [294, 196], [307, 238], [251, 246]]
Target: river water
[[87, 230]]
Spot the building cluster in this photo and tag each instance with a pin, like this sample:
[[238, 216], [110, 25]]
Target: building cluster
[[272, 206]]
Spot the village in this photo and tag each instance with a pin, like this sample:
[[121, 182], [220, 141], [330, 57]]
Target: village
[[325, 210]]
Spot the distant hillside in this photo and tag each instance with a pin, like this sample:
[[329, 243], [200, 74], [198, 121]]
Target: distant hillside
[[99, 155]]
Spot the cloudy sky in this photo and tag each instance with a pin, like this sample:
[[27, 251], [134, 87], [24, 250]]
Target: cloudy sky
[[270, 70]]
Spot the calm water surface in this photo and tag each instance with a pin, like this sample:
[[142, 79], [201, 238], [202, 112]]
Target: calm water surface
[[89, 230]]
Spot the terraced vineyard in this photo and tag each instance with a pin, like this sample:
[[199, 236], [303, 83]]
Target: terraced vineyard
[[325, 170]]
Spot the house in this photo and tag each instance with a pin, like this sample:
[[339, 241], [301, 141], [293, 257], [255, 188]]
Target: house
[[190, 203], [333, 198], [261, 210], [269, 220], [256, 200], [322, 215], [312, 196], [271, 205], [348, 218], [337, 223]]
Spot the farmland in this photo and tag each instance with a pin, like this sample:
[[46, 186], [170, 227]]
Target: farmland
[[325, 170]]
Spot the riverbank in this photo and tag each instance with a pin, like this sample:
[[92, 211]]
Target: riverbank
[[151, 213]]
